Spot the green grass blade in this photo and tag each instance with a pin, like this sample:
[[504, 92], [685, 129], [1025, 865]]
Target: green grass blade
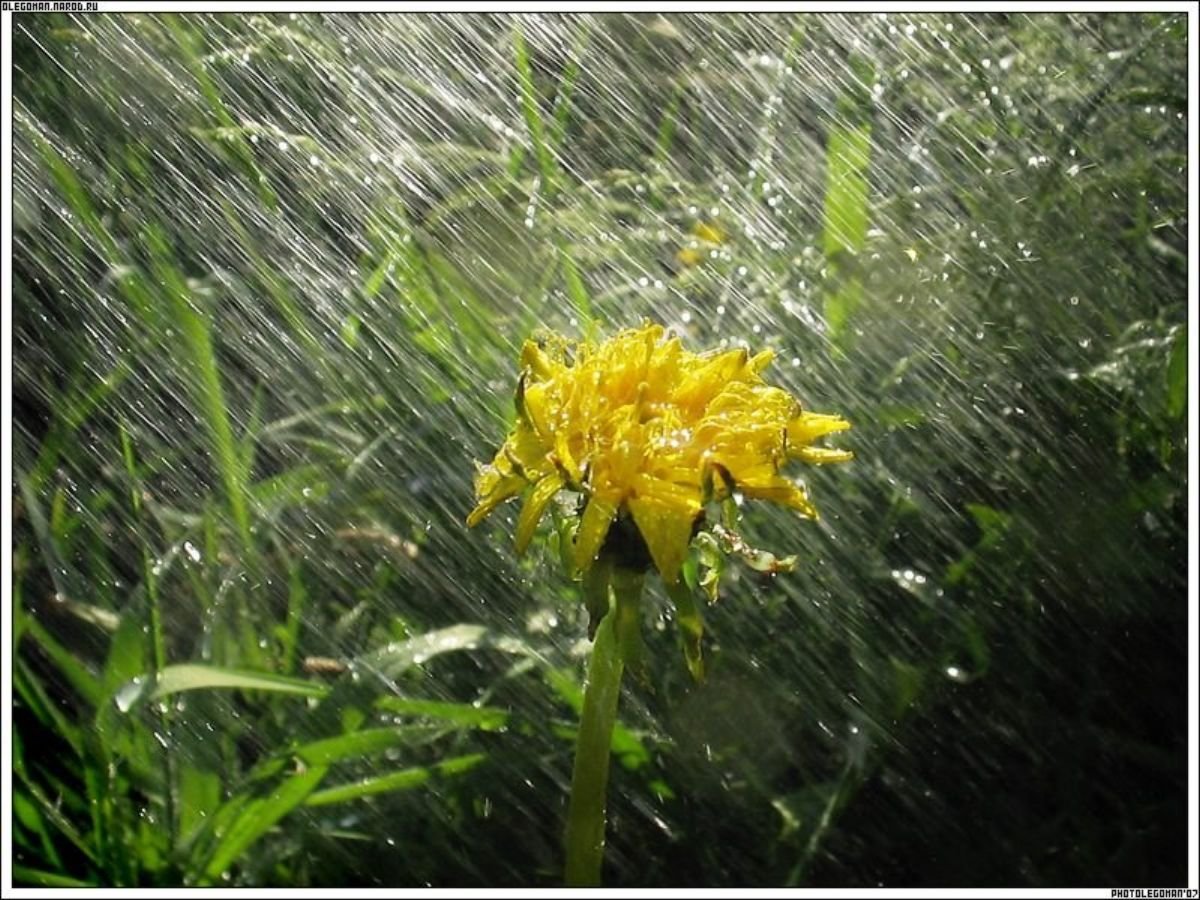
[[27, 815], [394, 659], [359, 743], [626, 745], [199, 794], [258, 817], [29, 689], [55, 816], [77, 675], [468, 715], [1177, 376], [206, 383], [76, 196], [61, 574], [194, 677], [405, 779], [846, 213], [189, 42], [297, 599], [75, 409], [25, 875], [666, 126], [566, 89], [533, 114], [576, 289], [276, 288]]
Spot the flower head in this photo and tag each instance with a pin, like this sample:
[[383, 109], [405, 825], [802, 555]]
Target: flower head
[[648, 433]]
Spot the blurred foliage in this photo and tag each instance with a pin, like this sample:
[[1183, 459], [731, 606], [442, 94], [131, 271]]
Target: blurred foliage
[[269, 276]]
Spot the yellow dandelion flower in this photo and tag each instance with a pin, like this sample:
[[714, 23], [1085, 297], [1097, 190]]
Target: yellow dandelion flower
[[648, 433]]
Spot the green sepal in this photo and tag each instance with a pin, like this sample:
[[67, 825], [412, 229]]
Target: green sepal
[[709, 555], [519, 399], [708, 483], [730, 514], [691, 627], [564, 537], [690, 570], [596, 581]]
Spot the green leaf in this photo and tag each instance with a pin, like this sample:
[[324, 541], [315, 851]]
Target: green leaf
[[576, 289], [352, 324], [199, 353], [566, 87], [667, 125], [992, 522]]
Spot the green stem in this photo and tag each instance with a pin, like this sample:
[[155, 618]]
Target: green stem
[[589, 782]]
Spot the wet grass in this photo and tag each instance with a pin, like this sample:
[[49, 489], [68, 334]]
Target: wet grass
[[255, 643]]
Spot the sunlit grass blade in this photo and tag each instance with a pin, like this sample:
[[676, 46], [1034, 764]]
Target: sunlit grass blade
[[205, 383], [277, 289], [566, 88], [576, 289], [531, 110], [394, 659], [193, 677], [379, 669]]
